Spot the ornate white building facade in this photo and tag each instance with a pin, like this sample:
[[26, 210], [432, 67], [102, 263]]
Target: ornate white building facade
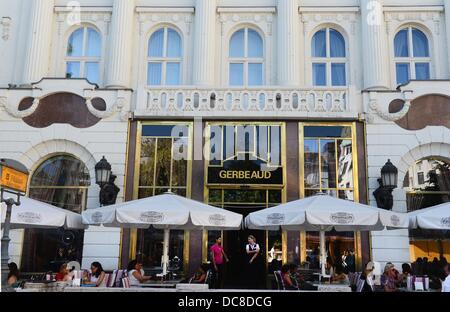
[[337, 77]]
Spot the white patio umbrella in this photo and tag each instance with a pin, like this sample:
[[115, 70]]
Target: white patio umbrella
[[324, 213], [35, 214], [167, 211], [432, 218]]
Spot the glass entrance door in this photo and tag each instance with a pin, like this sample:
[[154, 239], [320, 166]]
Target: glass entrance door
[[246, 201]]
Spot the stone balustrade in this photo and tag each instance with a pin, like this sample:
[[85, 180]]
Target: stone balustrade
[[266, 102]]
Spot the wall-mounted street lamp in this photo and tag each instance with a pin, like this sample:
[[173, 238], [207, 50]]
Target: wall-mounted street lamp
[[388, 182], [105, 179], [13, 181]]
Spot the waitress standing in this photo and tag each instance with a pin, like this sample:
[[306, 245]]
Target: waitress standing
[[253, 251]]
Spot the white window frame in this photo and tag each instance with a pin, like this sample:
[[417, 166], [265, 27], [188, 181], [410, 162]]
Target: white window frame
[[163, 60], [328, 60], [85, 59], [245, 60], [411, 60]]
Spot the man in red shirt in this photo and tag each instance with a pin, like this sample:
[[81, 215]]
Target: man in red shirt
[[217, 256]]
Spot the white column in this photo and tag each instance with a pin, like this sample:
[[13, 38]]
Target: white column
[[447, 30], [374, 47], [204, 44], [119, 69], [38, 56], [288, 39]]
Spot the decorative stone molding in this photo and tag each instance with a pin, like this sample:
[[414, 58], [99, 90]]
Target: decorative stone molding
[[429, 19], [263, 20], [377, 103], [117, 101], [374, 106], [181, 19], [346, 20], [6, 26]]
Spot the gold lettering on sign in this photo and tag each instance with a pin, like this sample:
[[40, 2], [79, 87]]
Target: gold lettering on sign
[[241, 174]]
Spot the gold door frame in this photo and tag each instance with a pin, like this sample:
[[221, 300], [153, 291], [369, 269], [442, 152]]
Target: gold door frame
[[301, 125], [281, 187], [137, 163]]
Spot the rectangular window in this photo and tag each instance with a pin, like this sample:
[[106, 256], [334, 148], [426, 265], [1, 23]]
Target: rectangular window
[[403, 73], [338, 74], [328, 160], [173, 74], [163, 165], [422, 71], [319, 74], [420, 178], [255, 74], [92, 71], [73, 70], [327, 166], [236, 74], [154, 74]]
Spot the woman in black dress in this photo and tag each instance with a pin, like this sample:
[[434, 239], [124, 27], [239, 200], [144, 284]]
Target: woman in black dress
[[253, 256]]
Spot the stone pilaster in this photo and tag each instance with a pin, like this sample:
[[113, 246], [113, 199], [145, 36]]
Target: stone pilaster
[[204, 44], [447, 30], [374, 39], [119, 69], [39, 42], [287, 47]]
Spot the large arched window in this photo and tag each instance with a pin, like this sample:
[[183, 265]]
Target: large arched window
[[83, 56], [61, 181], [329, 58], [164, 58], [246, 58], [427, 183], [411, 55]]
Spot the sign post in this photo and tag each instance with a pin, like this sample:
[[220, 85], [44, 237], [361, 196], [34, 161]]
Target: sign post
[[13, 181]]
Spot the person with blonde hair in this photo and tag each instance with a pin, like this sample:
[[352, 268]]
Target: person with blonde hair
[[389, 278]]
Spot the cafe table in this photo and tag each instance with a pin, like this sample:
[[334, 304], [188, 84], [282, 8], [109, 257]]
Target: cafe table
[[161, 284]]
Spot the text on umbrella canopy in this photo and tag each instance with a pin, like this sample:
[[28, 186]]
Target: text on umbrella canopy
[[342, 218], [152, 217]]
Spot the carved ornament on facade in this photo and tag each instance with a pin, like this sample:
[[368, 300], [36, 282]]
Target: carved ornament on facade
[[347, 20], [430, 19], [147, 20], [374, 105], [263, 20], [6, 27]]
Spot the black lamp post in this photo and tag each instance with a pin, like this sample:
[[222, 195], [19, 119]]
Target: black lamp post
[[388, 182], [105, 179]]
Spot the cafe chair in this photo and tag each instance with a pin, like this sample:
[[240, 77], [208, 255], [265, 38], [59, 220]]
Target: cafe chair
[[279, 280], [126, 282]]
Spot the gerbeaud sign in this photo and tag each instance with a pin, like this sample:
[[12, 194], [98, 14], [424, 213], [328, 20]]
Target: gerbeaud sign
[[13, 176]]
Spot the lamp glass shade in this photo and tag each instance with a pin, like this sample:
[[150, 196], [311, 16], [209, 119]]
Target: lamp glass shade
[[102, 172], [389, 175]]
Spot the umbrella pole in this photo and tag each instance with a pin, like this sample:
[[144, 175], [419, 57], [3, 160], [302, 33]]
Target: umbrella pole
[[166, 251], [323, 260]]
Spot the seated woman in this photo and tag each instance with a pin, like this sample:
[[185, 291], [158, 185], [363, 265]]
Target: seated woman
[[13, 275], [366, 283], [201, 274], [64, 274], [287, 280], [389, 278], [339, 276], [136, 273], [97, 277]]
